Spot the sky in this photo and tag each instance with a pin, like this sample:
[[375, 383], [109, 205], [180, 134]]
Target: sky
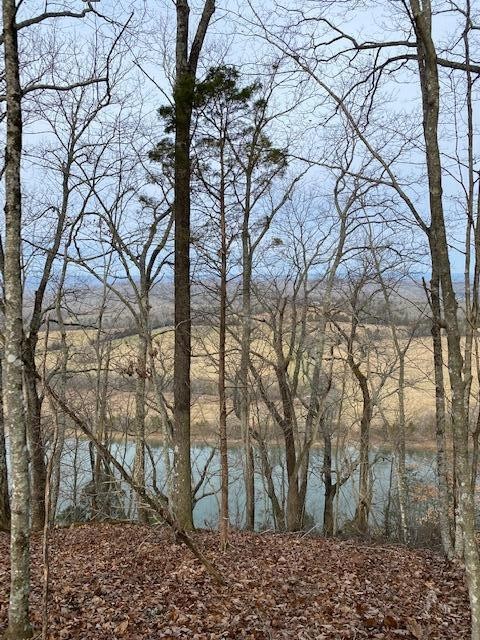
[[146, 65]]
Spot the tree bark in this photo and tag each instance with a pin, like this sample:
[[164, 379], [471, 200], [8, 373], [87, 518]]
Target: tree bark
[[19, 626], [444, 494], [4, 494], [330, 487], [278, 513], [430, 88], [139, 462], [35, 437], [222, 402], [249, 466], [183, 95], [364, 490]]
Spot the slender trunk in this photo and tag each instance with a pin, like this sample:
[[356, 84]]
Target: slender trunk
[[139, 462], [18, 612], [100, 479], [249, 469], [222, 402], [471, 296], [445, 500], [167, 425], [278, 513], [59, 414], [294, 509], [400, 450], [399, 456], [35, 437], [330, 487], [389, 500], [475, 452], [46, 525], [364, 492], [4, 495]]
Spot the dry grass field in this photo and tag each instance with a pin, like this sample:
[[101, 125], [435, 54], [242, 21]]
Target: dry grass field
[[374, 350]]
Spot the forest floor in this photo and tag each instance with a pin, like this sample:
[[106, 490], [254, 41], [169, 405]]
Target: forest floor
[[131, 582]]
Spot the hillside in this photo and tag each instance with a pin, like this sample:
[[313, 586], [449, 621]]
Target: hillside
[[112, 582]]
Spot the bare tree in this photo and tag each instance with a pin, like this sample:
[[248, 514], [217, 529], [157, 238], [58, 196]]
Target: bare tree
[[417, 45], [421, 15], [18, 613], [187, 58]]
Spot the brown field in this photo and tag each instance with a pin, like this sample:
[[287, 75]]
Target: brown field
[[374, 350]]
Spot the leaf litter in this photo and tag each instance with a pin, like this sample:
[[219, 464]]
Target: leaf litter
[[132, 582]]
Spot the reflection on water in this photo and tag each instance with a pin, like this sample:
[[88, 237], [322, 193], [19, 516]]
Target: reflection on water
[[76, 476]]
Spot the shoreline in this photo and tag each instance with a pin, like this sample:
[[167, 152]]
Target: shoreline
[[158, 440]]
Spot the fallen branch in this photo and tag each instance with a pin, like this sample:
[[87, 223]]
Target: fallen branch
[[153, 504]]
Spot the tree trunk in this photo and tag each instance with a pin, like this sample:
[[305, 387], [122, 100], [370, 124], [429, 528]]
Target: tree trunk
[[59, 414], [4, 495], [278, 513], [330, 487], [294, 509], [444, 493], [400, 450], [35, 438], [182, 485], [183, 96], [249, 467], [182, 491], [430, 87], [364, 489], [18, 613], [139, 462], [222, 402]]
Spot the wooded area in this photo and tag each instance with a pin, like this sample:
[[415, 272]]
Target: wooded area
[[240, 309]]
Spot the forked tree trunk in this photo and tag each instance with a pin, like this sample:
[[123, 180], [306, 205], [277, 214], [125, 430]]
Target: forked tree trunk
[[184, 93], [362, 512], [18, 613], [277, 511]]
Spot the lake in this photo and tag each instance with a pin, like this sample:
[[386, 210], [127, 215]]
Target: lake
[[420, 472]]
